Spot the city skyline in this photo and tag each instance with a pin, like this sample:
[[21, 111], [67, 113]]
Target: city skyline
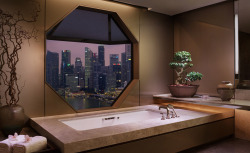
[[77, 49], [86, 77]]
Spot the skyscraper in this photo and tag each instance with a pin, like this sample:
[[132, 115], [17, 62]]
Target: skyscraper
[[117, 71], [72, 82], [79, 71], [66, 58], [52, 69], [101, 53], [124, 68], [111, 79], [66, 67], [115, 67], [114, 59], [102, 83], [128, 60], [78, 65], [89, 69], [96, 71]]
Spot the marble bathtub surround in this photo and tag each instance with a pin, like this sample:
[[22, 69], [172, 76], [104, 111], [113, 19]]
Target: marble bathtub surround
[[209, 100], [70, 140]]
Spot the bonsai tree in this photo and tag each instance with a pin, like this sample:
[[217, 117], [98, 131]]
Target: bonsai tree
[[181, 64]]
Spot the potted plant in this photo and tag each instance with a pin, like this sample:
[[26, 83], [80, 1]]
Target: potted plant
[[181, 64], [13, 33]]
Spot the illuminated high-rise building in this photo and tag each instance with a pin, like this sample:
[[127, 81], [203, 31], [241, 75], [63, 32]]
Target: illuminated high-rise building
[[114, 58], [117, 72], [101, 57], [89, 69], [66, 67], [72, 82], [111, 80], [79, 71], [124, 68], [78, 65], [102, 82], [66, 58], [96, 71], [128, 61]]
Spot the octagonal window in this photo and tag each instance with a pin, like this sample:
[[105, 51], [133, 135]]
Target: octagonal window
[[88, 58]]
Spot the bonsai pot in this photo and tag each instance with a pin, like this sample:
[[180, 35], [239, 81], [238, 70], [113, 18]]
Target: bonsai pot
[[183, 90]]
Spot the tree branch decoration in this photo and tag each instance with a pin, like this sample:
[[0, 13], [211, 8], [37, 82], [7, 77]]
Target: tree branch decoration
[[12, 37]]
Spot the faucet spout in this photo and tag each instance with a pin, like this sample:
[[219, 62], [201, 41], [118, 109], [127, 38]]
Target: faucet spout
[[174, 114], [170, 110], [165, 107]]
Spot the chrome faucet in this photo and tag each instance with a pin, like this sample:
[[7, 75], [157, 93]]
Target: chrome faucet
[[170, 111], [165, 107], [174, 114]]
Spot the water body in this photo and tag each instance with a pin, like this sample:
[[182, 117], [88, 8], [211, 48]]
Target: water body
[[85, 103]]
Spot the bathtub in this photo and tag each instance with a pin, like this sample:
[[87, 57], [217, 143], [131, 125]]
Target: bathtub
[[100, 121], [112, 128]]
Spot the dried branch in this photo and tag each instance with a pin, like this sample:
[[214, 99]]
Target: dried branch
[[12, 36]]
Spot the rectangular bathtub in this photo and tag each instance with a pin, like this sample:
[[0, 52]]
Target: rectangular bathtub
[[95, 130], [94, 122]]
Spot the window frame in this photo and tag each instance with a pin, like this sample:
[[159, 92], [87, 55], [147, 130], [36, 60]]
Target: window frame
[[134, 52]]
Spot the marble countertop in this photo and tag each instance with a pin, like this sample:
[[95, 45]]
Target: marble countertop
[[209, 100], [70, 140]]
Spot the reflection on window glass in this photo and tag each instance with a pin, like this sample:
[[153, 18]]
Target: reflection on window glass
[[88, 75]]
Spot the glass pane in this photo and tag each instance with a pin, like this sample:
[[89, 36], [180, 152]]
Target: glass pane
[[116, 33], [88, 75], [83, 25]]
